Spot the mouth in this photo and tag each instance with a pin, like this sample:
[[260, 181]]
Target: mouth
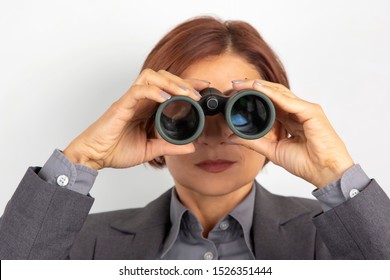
[[215, 166]]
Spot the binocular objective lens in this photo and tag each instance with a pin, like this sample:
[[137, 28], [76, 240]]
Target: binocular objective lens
[[179, 120], [250, 115]]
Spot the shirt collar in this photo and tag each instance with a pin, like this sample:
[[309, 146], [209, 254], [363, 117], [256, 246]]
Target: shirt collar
[[243, 213]]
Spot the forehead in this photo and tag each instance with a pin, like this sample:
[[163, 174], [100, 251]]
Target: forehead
[[221, 70]]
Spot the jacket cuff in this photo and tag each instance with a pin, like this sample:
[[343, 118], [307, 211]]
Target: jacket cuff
[[353, 181], [358, 228]]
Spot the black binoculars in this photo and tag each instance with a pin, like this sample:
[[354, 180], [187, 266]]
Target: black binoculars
[[250, 114]]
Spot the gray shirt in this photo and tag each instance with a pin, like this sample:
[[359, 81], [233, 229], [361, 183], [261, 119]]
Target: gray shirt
[[228, 240]]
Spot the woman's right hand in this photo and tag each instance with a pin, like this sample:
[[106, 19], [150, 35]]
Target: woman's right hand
[[118, 139]]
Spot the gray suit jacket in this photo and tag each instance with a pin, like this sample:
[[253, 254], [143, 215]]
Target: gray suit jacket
[[43, 221]]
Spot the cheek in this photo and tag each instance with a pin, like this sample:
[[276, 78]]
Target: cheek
[[179, 164], [252, 162]]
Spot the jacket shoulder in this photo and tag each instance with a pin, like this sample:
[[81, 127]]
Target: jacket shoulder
[[285, 207]]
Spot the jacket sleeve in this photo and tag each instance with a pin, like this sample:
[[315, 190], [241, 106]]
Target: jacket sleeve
[[358, 228], [41, 220]]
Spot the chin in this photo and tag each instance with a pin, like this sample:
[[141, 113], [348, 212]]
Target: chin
[[217, 186]]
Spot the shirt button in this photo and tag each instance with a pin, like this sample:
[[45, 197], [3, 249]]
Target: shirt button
[[62, 180], [353, 193], [208, 256], [224, 225]]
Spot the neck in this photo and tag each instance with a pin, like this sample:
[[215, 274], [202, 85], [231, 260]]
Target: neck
[[210, 209]]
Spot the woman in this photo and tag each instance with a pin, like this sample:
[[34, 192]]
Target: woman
[[216, 209]]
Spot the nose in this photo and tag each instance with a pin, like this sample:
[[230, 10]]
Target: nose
[[215, 132]]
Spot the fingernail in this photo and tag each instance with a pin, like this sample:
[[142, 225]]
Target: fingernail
[[196, 92], [206, 81], [258, 83], [238, 81], [165, 95], [183, 88]]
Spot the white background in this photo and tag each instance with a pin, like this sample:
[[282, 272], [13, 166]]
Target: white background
[[62, 63]]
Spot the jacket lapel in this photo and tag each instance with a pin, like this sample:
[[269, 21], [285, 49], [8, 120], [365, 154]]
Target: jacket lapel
[[139, 236], [282, 227]]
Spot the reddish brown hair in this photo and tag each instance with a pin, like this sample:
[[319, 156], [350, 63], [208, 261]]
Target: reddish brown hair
[[202, 37]]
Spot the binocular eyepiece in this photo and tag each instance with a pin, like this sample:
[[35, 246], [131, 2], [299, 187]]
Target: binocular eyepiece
[[249, 114]]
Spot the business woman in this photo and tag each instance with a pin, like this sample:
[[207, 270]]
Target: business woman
[[216, 210]]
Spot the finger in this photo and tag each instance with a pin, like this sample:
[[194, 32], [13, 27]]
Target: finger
[[198, 84], [159, 87], [282, 88], [151, 77], [143, 91], [130, 100], [238, 85], [192, 85], [167, 82], [285, 101], [160, 147], [245, 84]]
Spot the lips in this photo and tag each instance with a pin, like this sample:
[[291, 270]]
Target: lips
[[215, 166]]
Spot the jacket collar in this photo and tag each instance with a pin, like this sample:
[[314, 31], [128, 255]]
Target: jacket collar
[[281, 226], [143, 232], [147, 227]]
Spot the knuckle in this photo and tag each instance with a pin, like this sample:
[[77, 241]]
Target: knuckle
[[116, 107], [188, 84], [152, 89], [162, 71], [169, 84], [317, 107], [133, 90], [146, 72], [172, 86], [283, 87]]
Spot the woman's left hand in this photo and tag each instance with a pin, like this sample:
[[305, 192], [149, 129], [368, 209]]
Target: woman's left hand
[[313, 150]]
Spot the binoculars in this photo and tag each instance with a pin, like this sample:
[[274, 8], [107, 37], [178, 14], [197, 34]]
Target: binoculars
[[250, 114]]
